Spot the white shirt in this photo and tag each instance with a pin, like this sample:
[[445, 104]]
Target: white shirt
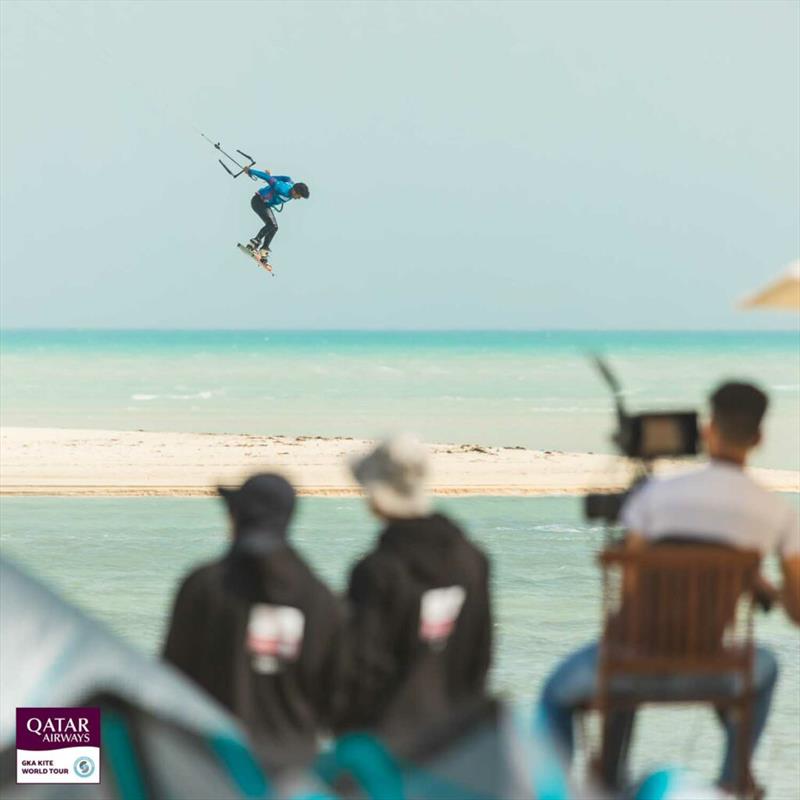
[[719, 502]]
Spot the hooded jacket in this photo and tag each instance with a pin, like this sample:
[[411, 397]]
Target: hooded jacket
[[420, 631], [259, 632]]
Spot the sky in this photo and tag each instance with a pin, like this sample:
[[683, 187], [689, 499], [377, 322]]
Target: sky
[[471, 165]]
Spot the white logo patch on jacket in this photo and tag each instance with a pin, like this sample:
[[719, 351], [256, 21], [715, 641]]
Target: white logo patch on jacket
[[438, 613], [274, 634]]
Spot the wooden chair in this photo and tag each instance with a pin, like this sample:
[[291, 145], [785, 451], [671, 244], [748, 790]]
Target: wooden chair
[[677, 609]]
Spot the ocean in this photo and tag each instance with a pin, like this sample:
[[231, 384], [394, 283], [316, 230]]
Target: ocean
[[535, 389], [121, 558]]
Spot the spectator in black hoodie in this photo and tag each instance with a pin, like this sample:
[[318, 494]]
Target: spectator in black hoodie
[[258, 630], [420, 628]]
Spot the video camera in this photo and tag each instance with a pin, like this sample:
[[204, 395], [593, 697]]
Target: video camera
[[644, 437]]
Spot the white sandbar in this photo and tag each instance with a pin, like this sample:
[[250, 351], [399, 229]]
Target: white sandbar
[[55, 461]]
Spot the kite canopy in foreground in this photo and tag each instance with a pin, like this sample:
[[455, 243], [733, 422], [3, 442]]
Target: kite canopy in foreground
[[784, 293]]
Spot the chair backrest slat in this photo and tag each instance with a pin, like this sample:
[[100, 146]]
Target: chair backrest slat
[[685, 606]]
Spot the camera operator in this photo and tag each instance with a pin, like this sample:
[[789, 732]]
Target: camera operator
[[719, 503]]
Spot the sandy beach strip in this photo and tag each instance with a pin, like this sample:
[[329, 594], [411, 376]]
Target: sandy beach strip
[[63, 462]]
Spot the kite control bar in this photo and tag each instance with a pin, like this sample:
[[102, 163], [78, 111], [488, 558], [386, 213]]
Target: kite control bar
[[242, 167]]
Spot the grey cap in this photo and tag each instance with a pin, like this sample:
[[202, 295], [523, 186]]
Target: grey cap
[[394, 477]]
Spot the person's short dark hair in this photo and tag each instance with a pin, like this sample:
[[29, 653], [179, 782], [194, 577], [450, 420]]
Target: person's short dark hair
[[737, 410], [301, 189]]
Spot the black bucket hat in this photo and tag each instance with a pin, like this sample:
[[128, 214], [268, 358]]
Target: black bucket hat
[[261, 509]]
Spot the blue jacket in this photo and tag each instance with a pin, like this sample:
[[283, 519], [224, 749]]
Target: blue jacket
[[278, 189]]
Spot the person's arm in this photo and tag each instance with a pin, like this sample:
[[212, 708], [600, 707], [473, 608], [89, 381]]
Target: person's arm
[[482, 652], [325, 673], [789, 555], [790, 594], [369, 659], [257, 173], [282, 178], [635, 517], [180, 646]]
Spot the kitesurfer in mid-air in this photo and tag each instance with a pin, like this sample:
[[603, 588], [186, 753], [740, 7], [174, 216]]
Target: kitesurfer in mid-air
[[280, 189]]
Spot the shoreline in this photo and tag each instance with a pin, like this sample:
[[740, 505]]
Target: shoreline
[[302, 491], [62, 462]]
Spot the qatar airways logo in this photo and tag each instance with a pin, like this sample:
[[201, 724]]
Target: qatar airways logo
[[58, 745], [60, 730]]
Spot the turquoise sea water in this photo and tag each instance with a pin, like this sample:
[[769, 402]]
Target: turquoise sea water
[[504, 388], [121, 558]]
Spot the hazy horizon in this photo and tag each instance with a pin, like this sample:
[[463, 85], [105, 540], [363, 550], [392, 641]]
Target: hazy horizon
[[77, 329]]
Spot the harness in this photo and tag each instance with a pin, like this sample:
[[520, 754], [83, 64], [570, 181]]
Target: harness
[[283, 198]]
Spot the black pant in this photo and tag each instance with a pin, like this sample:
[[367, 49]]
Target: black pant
[[267, 217]]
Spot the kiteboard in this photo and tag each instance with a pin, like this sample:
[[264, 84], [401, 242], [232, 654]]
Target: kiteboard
[[262, 262]]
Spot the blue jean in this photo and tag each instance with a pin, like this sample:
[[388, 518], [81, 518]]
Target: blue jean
[[574, 682]]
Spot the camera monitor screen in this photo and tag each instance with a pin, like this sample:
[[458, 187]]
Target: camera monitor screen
[[664, 435]]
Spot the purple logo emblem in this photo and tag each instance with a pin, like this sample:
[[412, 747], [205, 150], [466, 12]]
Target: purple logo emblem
[[58, 745]]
